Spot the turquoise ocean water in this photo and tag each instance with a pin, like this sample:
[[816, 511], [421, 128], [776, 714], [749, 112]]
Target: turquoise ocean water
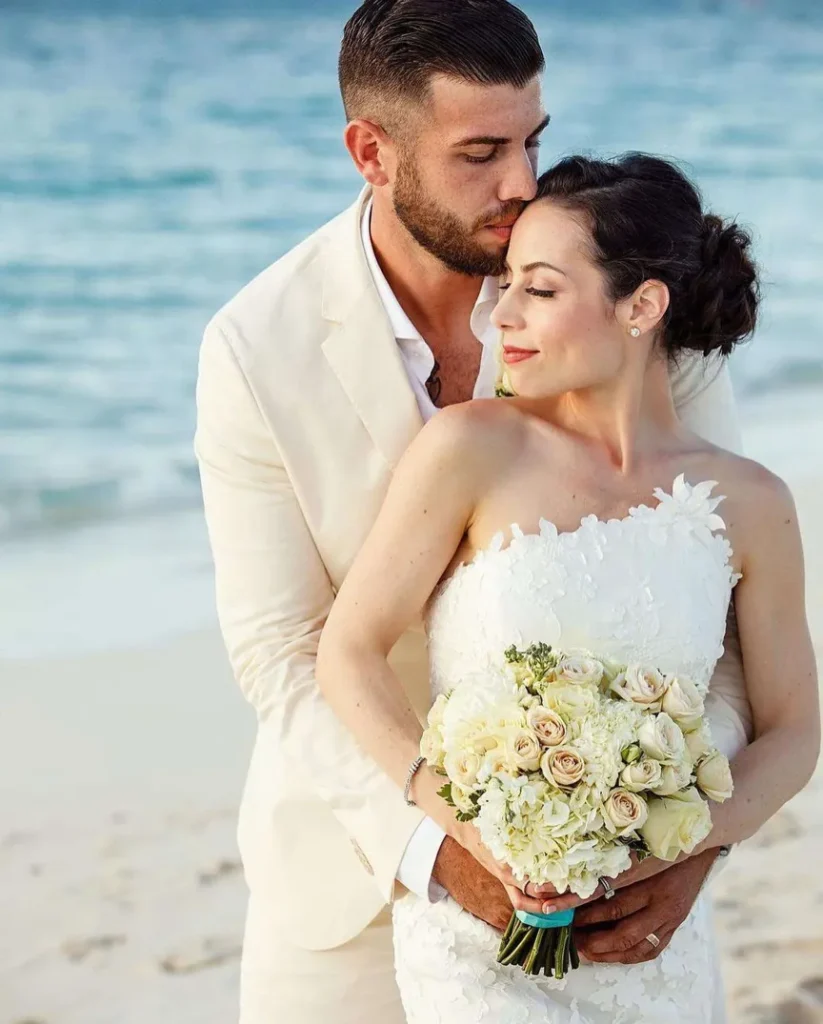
[[156, 156]]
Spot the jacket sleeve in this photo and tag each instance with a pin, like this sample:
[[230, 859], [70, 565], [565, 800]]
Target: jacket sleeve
[[703, 396], [273, 596]]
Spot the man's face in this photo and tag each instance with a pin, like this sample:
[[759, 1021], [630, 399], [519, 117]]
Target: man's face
[[468, 169]]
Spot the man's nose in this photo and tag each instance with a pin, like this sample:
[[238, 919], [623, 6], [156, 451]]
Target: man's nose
[[519, 181]]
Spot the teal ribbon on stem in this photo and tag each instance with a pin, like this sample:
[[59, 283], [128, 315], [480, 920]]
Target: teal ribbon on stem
[[540, 943], [561, 919]]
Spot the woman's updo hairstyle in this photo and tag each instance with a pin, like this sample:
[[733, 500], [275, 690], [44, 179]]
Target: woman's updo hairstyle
[[647, 223]]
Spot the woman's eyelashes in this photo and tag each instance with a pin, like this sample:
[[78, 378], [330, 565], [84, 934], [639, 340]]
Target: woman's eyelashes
[[541, 293]]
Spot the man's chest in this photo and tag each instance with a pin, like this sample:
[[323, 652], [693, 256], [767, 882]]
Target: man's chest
[[457, 368]]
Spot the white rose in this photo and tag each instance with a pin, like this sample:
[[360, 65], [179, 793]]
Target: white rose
[[563, 766], [683, 702], [676, 824], [462, 798], [579, 670], [643, 686], [674, 777], [437, 711], [548, 726], [462, 767], [661, 738], [643, 774], [496, 761], [714, 777], [570, 701], [698, 744], [524, 750], [431, 747], [624, 812]]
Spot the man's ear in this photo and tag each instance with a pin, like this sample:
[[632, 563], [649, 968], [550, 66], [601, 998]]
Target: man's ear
[[367, 144]]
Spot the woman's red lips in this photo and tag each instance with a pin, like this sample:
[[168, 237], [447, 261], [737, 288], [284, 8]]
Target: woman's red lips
[[517, 355]]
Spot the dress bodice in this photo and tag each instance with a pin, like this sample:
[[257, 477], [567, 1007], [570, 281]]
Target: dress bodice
[[653, 587]]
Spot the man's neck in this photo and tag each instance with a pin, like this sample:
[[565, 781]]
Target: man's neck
[[438, 301]]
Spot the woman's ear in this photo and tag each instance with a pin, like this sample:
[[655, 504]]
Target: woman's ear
[[367, 145], [645, 309]]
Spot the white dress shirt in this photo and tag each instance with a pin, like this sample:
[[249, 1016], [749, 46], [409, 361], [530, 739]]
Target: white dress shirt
[[415, 871]]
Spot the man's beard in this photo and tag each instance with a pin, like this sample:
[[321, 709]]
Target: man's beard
[[441, 233]]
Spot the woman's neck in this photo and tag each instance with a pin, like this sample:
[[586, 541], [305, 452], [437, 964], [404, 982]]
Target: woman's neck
[[628, 419]]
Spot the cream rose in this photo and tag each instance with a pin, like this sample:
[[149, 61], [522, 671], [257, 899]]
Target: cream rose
[[676, 824], [563, 766], [683, 702], [524, 750], [698, 744], [714, 777], [548, 726], [674, 777], [643, 686], [624, 812], [462, 767], [643, 774], [661, 738], [579, 670]]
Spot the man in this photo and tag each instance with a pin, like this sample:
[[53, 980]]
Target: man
[[313, 380]]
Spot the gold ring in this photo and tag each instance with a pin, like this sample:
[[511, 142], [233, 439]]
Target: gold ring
[[653, 939]]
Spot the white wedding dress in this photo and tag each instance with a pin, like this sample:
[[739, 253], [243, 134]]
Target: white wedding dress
[[655, 588]]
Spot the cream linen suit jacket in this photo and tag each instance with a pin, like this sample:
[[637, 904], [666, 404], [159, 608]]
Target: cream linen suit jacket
[[304, 408]]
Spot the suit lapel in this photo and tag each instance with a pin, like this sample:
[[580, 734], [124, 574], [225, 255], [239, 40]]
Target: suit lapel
[[361, 348]]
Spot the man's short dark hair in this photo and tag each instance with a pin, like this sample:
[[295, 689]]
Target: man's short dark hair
[[392, 48]]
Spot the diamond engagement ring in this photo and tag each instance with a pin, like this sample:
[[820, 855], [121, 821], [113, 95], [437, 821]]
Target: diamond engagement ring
[[608, 891], [653, 939]]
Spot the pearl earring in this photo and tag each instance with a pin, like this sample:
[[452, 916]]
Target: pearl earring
[[634, 332]]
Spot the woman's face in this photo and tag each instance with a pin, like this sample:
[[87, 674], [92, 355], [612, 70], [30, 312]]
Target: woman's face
[[560, 331]]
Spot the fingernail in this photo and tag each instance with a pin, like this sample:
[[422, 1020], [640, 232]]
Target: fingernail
[[549, 908]]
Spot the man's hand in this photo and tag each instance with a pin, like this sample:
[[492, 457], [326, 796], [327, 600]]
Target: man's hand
[[614, 931], [470, 885]]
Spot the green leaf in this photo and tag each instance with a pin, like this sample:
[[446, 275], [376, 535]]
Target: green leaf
[[446, 793]]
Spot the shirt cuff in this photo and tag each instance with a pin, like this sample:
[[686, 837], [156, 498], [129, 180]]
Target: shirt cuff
[[417, 864]]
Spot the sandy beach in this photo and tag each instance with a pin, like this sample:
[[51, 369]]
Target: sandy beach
[[121, 893]]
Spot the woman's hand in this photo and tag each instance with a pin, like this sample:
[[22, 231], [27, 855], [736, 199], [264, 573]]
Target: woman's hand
[[638, 871]]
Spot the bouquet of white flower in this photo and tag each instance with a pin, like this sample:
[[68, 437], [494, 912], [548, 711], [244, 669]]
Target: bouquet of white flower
[[567, 763]]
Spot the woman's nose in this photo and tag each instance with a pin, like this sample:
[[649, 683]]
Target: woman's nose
[[505, 315]]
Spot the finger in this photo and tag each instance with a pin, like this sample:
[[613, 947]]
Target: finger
[[643, 952], [631, 931], [554, 904], [625, 902], [547, 890], [522, 902]]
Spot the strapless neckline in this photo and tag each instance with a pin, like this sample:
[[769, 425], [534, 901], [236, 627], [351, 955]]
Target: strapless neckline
[[682, 499]]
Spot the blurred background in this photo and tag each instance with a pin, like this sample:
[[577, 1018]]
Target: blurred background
[[154, 156]]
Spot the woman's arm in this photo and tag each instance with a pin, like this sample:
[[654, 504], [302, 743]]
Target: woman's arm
[[779, 663], [423, 520]]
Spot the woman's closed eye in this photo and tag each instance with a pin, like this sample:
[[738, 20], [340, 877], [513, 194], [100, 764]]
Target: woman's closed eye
[[541, 293]]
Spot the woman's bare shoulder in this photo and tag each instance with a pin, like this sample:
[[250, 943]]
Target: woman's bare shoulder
[[756, 500], [477, 435]]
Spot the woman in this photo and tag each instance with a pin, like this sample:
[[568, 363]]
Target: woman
[[553, 516]]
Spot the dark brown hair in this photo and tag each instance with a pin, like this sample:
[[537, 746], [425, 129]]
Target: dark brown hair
[[392, 48], [647, 222]]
